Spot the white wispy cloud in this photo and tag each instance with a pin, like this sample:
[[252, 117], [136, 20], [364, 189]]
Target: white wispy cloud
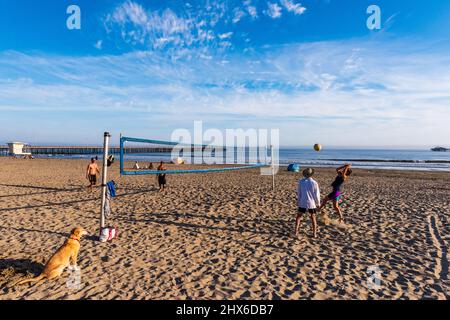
[[190, 30], [405, 94], [130, 11], [155, 29], [291, 6], [225, 35], [163, 30], [297, 71], [251, 9], [98, 45], [238, 15], [273, 10], [193, 30]]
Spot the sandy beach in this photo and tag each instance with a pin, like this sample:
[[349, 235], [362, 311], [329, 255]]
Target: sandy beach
[[225, 235]]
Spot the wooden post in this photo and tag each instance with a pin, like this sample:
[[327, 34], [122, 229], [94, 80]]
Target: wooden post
[[106, 137]]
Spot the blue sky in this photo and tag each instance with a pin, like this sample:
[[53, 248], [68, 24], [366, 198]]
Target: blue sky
[[311, 68]]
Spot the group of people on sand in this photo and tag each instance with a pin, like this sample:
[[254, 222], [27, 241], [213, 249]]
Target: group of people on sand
[[161, 177], [308, 196], [92, 171], [136, 166], [308, 192]]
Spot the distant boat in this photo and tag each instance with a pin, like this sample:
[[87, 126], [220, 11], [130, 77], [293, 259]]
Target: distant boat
[[439, 149]]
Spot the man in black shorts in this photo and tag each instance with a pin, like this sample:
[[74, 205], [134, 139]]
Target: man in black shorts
[[308, 200], [91, 173], [161, 176]]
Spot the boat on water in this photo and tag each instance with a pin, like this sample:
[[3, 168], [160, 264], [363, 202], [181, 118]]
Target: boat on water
[[439, 149]]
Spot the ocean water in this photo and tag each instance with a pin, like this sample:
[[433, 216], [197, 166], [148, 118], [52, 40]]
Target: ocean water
[[424, 160], [369, 158]]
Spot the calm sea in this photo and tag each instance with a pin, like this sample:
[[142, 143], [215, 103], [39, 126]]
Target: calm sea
[[366, 158], [360, 158]]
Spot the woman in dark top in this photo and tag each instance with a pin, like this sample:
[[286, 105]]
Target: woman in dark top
[[343, 173], [161, 176]]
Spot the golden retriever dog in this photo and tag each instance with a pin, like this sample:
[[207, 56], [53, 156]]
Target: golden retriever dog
[[65, 255]]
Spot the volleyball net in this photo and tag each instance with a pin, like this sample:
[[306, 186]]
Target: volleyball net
[[141, 156]]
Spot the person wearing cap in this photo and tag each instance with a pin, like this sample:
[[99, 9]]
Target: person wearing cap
[[308, 200]]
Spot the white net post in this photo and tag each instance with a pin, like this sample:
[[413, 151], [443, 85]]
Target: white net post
[[265, 154], [272, 167], [106, 137]]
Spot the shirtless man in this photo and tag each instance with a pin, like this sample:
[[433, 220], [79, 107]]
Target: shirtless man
[[91, 173]]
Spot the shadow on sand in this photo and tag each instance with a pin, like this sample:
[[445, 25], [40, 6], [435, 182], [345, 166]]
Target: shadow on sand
[[11, 270], [64, 235], [68, 203]]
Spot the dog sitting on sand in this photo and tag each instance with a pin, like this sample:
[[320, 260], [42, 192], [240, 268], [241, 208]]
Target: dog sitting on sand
[[65, 255]]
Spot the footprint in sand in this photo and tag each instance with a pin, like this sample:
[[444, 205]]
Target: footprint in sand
[[326, 220], [441, 267]]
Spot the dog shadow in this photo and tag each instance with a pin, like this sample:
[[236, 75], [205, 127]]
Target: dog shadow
[[21, 265], [13, 269]]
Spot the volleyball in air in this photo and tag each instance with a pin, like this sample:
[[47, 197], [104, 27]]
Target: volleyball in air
[[317, 147]]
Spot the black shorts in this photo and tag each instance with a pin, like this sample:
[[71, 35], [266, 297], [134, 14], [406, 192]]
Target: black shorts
[[162, 179], [93, 178], [303, 210]]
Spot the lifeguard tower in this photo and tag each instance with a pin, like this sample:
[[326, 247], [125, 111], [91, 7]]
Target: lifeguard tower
[[18, 149]]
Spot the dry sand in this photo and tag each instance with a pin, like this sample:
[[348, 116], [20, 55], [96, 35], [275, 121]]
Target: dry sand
[[225, 235]]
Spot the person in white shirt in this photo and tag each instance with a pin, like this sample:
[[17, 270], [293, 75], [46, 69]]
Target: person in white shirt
[[308, 200]]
